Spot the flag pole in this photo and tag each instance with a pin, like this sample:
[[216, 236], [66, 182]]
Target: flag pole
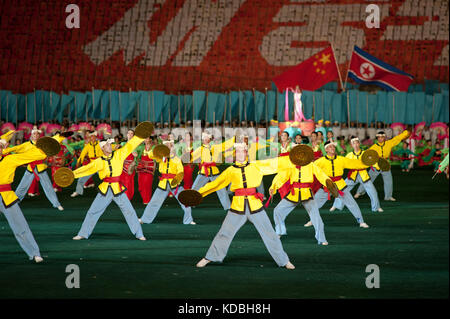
[[348, 68], [348, 110], [367, 110], [337, 67]]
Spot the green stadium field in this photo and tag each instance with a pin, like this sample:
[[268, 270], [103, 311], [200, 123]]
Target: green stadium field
[[409, 242]]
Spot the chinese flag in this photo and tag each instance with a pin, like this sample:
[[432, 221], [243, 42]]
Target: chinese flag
[[311, 74]]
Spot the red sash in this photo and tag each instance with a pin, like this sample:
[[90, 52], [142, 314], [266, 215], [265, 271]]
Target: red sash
[[33, 166], [112, 179], [5, 188], [248, 192], [166, 176], [169, 176], [284, 154], [207, 166]]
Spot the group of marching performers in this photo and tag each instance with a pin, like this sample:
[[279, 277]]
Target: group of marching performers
[[306, 171]]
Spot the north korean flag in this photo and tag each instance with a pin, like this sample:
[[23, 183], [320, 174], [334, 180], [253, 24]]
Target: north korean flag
[[367, 69]]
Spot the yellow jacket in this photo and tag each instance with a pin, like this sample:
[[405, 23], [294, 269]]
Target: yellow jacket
[[354, 174], [211, 153], [303, 175], [25, 147], [384, 150], [111, 166], [172, 165], [243, 175], [92, 150], [8, 166], [334, 167]]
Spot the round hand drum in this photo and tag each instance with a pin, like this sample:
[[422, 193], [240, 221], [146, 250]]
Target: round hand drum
[[161, 151], [177, 179], [370, 157], [190, 197], [48, 145], [63, 177], [301, 155], [144, 130], [384, 164], [331, 186]]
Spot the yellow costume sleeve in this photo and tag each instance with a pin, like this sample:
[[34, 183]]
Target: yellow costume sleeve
[[268, 166], [280, 179], [196, 154], [129, 147], [397, 139], [225, 145], [220, 182], [89, 169], [59, 138], [180, 168], [83, 154], [17, 149], [33, 154], [320, 174], [229, 153]]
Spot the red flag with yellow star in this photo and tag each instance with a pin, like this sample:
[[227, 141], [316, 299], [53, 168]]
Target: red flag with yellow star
[[311, 74]]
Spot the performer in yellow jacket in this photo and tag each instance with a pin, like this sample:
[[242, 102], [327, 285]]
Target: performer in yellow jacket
[[109, 168], [300, 179], [171, 175], [209, 155], [36, 169], [358, 176], [246, 205], [383, 147], [91, 151], [9, 204], [333, 165]]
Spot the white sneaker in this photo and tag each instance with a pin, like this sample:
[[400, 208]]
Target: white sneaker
[[325, 243], [392, 199], [380, 210], [31, 194], [55, 189], [142, 238], [89, 186], [308, 224], [38, 259], [202, 263], [192, 223], [332, 209], [140, 221], [363, 225], [78, 238], [74, 194], [60, 208], [357, 195], [289, 265]]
